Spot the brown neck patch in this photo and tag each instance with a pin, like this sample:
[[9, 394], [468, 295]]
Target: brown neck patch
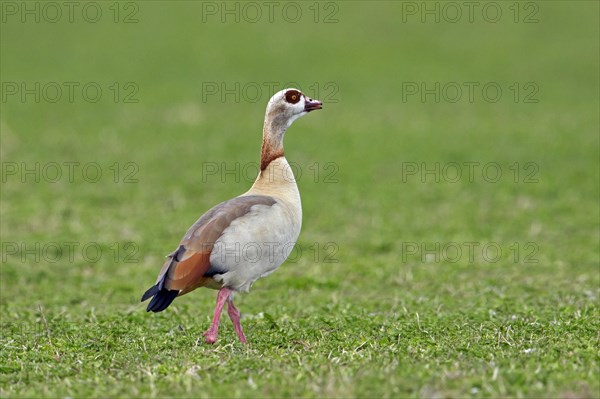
[[268, 154], [273, 130]]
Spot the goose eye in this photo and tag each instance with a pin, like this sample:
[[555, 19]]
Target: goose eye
[[292, 96]]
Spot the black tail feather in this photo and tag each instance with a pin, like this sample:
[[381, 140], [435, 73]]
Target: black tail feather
[[162, 299], [151, 292]]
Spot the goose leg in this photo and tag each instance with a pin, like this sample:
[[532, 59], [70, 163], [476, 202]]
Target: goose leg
[[211, 334], [234, 315]]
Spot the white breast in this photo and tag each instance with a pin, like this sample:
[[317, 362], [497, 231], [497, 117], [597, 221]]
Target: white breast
[[256, 244]]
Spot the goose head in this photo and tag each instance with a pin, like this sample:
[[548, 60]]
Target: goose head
[[283, 108], [288, 105]]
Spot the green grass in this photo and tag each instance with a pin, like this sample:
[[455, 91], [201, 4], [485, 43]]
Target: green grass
[[364, 310]]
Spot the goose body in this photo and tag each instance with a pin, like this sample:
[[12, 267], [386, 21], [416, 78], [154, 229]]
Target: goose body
[[256, 244], [247, 237]]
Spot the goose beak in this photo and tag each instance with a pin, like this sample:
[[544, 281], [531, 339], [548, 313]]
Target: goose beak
[[311, 105]]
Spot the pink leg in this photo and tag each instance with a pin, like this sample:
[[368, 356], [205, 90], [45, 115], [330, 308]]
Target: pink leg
[[211, 334], [234, 314]]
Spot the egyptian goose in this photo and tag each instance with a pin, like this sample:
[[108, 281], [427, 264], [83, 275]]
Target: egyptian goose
[[248, 237]]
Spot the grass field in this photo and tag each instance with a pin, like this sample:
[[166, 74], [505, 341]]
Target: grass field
[[450, 191]]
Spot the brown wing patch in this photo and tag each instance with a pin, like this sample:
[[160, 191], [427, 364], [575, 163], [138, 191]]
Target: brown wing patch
[[187, 272]]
